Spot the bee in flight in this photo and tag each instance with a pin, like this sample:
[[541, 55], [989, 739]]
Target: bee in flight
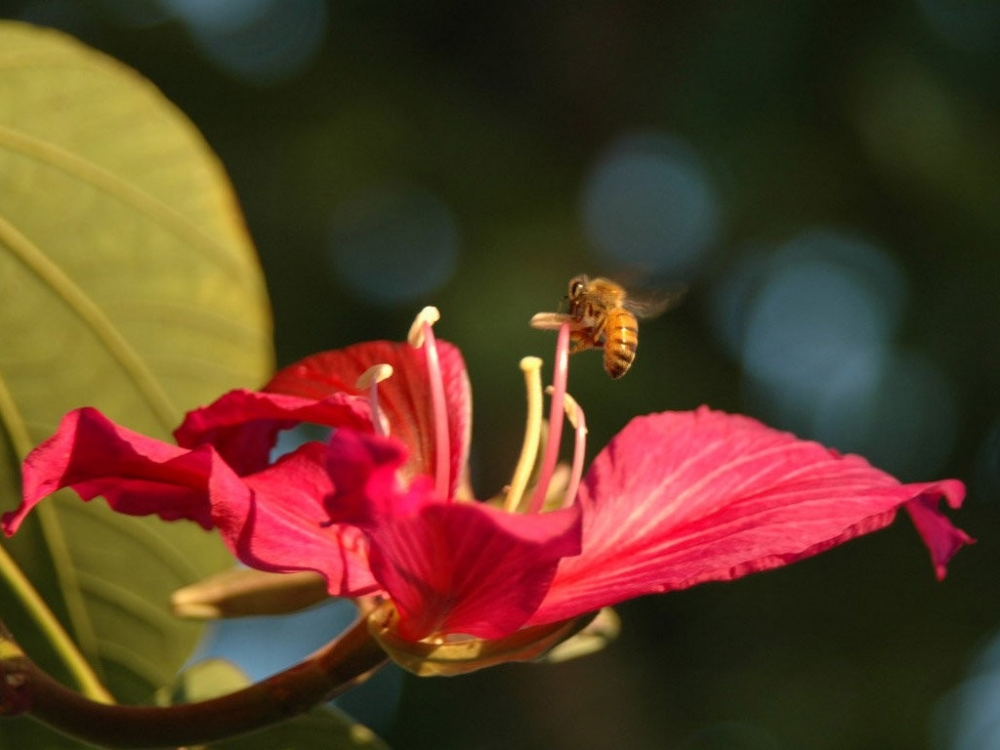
[[602, 315]]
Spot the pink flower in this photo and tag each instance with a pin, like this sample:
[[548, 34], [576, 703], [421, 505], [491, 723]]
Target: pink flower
[[382, 509]]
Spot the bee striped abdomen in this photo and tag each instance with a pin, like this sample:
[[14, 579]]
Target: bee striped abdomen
[[621, 333]]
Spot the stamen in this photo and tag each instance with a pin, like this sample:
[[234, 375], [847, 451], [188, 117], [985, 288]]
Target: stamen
[[370, 379], [532, 368], [429, 315], [555, 419], [574, 413], [422, 335]]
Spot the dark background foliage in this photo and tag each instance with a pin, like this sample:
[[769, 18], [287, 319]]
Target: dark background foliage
[[825, 179]]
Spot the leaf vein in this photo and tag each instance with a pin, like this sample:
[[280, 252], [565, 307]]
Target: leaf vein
[[127, 193]]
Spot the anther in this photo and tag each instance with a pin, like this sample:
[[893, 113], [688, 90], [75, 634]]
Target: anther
[[428, 316], [369, 380]]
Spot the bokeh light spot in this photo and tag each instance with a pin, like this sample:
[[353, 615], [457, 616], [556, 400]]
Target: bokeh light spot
[[901, 413], [968, 717], [394, 244], [649, 204], [807, 328], [986, 471], [813, 323], [971, 25], [805, 318], [218, 16], [260, 41]]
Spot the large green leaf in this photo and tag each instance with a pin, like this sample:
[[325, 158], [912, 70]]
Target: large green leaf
[[127, 282], [325, 728]]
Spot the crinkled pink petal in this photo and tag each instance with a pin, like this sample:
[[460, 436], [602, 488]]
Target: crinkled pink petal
[[136, 474], [680, 498], [405, 398], [243, 425], [277, 520], [468, 568], [942, 539]]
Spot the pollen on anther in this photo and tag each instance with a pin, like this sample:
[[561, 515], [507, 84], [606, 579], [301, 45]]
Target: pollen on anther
[[531, 363], [369, 381], [429, 315], [374, 374]]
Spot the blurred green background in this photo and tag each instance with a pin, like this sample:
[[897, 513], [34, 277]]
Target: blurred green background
[[825, 179]]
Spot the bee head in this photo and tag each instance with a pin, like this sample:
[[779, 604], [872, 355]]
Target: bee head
[[577, 285]]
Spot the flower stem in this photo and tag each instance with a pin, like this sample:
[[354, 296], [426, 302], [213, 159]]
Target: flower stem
[[337, 667]]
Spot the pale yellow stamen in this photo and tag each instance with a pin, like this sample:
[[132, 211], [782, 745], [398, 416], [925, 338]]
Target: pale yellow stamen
[[532, 368], [429, 315], [369, 380], [374, 374]]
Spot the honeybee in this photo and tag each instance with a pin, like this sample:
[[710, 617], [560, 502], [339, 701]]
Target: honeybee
[[602, 315]]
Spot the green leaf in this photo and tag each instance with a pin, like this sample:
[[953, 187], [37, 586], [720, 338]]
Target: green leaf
[[325, 728], [127, 282]]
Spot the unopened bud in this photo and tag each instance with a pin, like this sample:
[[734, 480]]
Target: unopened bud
[[242, 591]]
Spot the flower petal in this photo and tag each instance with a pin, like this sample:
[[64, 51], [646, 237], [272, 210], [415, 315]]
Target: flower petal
[[682, 498], [275, 519], [467, 568], [137, 475], [405, 397], [942, 539], [243, 425]]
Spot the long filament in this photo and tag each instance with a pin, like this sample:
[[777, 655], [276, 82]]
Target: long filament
[[370, 379], [559, 376], [531, 366], [422, 334], [574, 412]]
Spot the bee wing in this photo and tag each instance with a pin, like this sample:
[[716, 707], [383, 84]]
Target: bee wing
[[654, 303]]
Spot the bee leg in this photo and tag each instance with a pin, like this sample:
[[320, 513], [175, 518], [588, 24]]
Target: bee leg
[[581, 340]]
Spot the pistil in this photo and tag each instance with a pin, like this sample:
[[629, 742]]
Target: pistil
[[422, 335]]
